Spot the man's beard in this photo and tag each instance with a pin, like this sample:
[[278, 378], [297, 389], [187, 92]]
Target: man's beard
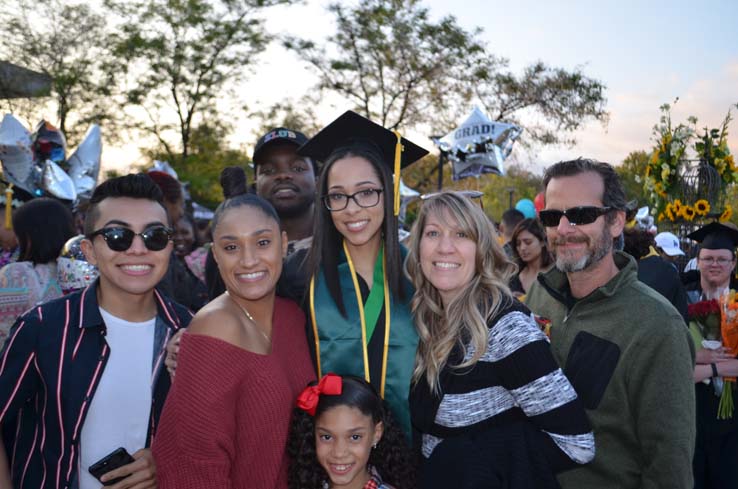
[[292, 210], [595, 253]]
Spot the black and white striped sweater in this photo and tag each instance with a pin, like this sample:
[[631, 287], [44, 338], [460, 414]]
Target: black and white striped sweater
[[516, 380]]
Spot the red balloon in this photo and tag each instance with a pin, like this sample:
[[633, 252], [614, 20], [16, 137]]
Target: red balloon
[[539, 202]]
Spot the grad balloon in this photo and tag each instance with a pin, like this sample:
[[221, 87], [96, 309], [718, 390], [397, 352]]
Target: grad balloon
[[84, 164], [16, 154], [57, 182], [479, 145], [36, 162]]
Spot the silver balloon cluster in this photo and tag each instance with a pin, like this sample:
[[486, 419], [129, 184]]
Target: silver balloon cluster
[[37, 162], [479, 145], [73, 270]]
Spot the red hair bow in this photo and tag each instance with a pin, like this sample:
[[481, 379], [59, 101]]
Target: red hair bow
[[330, 384]]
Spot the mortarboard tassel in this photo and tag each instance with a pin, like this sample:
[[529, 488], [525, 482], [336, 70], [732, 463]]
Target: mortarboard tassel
[[9, 206], [398, 160]]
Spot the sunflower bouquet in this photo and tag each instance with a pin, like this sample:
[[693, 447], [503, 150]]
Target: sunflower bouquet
[[662, 171]]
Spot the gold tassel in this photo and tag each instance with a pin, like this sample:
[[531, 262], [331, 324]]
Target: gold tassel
[[9, 206], [398, 159]]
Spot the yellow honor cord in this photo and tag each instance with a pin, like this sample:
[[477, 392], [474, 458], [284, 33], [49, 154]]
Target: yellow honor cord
[[9, 206], [360, 303], [315, 325], [398, 159], [387, 314]]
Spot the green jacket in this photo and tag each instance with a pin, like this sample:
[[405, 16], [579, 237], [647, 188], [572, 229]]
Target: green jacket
[[630, 358]]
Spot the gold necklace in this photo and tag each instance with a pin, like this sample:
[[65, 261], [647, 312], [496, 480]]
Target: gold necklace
[[248, 315]]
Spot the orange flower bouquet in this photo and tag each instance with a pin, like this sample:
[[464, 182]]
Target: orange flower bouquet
[[729, 333]]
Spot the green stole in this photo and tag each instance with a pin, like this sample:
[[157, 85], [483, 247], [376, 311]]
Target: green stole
[[341, 344]]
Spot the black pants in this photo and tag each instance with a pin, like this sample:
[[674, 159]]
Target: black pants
[[715, 462]]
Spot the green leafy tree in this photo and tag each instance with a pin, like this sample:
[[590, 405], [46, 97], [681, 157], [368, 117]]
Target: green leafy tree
[[66, 41], [518, 183], [393, 63], [564, 99], [632, 171], [181, 56], [400, 68]]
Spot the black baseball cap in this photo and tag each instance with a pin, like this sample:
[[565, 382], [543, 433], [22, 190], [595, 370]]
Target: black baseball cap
[[278, 135]]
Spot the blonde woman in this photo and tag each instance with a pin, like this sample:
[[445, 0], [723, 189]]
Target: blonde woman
[[493, 408]]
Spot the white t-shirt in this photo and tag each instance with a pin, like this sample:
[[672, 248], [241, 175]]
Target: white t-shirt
[[120, 407]]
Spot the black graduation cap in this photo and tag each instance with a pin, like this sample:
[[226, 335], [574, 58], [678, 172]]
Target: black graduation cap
[[351, 129], [716, 236]]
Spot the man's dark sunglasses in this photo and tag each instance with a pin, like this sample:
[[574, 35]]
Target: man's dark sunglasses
[[155, 238], [575, 215]]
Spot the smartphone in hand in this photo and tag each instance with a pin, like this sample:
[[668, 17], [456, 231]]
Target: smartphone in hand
[[113, 460]]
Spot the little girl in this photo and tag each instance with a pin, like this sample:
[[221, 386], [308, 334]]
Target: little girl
[[342, 435]]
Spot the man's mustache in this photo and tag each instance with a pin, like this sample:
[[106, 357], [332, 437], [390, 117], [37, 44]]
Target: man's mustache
[[570, 239]]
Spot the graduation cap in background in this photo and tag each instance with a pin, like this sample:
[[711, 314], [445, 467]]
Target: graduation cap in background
[[716, 236], [351, 130]]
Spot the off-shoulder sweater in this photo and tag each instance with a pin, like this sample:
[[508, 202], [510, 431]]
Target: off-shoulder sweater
[[226, 420]]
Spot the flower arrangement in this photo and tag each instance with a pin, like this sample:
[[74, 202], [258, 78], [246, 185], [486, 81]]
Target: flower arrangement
[[706, 315], [675, 210], [662, 170], [662, 174]]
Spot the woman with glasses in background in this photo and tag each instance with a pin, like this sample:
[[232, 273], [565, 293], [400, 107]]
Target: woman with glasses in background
[[352, 282]]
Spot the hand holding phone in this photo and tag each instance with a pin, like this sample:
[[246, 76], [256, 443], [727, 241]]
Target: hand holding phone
[[140, 472], [115, 459]]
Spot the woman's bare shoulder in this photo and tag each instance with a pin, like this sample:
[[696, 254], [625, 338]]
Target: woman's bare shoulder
[[218, 321]]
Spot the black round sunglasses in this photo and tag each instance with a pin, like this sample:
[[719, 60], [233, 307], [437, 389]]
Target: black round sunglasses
[[155, 238]]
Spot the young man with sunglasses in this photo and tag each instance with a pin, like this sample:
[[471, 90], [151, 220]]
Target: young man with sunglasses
[[83, 375], [624, 347]]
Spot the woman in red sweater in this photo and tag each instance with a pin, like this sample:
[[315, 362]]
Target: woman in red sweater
[[241, 364]]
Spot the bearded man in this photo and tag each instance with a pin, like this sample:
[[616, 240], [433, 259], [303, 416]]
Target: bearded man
[[624, 347]]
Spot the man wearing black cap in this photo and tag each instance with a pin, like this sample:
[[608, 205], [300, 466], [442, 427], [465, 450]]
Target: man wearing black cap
[[716, 450], [287, 181], [622, 345]]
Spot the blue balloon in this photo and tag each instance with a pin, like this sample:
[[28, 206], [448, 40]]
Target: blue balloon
[[527, 207]]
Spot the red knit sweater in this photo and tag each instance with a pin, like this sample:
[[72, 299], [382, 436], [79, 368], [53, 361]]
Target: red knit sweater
[[226, 419]]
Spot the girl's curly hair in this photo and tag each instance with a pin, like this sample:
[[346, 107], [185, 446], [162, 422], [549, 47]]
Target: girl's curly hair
[[392, 458]]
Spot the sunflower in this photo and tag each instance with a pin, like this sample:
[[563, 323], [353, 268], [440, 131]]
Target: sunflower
[[669, 213], [661, 217], [702, 207], [687, 212], [677, 206], [727, 213]]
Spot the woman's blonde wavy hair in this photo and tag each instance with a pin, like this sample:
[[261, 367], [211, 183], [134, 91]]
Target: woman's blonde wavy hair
[[464, 320]]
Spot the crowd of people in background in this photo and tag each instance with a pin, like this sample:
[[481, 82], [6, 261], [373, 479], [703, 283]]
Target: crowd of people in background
[[295, 342]]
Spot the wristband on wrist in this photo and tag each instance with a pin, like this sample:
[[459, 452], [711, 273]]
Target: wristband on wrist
[[714, 370]]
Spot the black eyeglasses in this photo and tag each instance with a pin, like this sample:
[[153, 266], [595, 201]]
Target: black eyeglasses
[[155, 238], [363, 198], [575, 215]]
